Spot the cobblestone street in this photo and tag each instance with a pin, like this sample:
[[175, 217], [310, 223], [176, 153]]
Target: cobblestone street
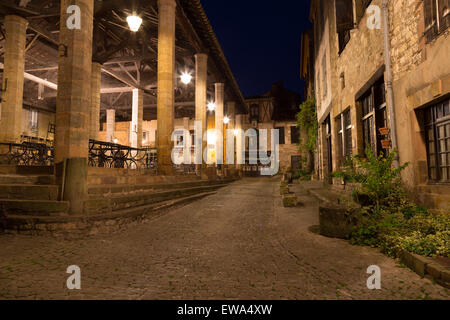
[[238, 244]]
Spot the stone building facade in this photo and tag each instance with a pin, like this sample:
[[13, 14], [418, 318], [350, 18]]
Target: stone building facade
[[352, 89], [276, 109]]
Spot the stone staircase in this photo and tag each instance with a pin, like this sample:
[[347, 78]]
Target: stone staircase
[[30, 191], [29, 200]]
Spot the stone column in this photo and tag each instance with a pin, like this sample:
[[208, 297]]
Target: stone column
[[166, 79], [13, 78], [219, 89], [231, 106], [110, 125], [186, 123], [137, 118], [73, 103], [96, 77], [201, 80], [240, 142]]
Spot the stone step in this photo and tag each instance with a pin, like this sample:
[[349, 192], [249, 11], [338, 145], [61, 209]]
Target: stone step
[[114, 190], [54, 224], [28, 192], [26, 170], [115, 203], [26, 179], [34, 207]]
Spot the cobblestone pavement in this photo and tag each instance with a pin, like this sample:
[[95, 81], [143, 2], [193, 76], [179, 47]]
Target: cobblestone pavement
[[237, 244]]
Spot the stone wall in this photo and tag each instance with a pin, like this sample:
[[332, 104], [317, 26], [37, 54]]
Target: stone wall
[[421, 76]]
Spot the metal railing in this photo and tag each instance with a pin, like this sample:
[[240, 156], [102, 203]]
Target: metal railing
[[26, 154], [110, 155], [101, 154]]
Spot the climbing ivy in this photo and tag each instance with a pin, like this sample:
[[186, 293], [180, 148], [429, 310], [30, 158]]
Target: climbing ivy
[[307, 121]]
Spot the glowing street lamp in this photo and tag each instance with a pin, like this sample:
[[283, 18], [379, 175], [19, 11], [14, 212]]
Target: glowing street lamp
[[226, 120], [211, 106], [186, 78], [236, 132], [134, 22]]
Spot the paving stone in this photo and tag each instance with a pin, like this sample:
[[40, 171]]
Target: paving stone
[[238, 244]]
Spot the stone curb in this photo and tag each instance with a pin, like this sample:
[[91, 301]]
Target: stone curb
[[317, 195], [425, 266]]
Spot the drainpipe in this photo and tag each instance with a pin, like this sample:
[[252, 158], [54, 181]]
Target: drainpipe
[[390, 93]]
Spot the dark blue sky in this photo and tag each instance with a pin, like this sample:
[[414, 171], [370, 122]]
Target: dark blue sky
[[261, 40]]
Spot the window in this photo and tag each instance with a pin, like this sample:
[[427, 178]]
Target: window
[[33, 120], [361, 6], [281, 131], [254, 112], [344, 128], [437, 17], [295, 135], [437, 127], [192, 133], [344, 38], [348, 143], [344, 21], [374, 117], [340, 137]]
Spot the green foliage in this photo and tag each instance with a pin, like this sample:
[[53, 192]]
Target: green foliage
[[307, 121], [423, 234], [302, 175], [388, 219], [380, 183]]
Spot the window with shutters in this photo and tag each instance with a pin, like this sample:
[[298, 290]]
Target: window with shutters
[[340, 138], [344, 129], [437, 17], [374, 117], [344, 22], [437, 134]]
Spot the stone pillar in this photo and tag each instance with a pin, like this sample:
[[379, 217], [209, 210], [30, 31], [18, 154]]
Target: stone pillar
[[137, 118], [231, 106], [219, 89], [73, 103], [110, 125], [201, 80], [186, 123], [166, 79], [96, 77], [240, 142], [13, 78]]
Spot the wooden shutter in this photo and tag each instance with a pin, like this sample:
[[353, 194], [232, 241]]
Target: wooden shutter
[[444, 14], [344, 15], [430, 13]]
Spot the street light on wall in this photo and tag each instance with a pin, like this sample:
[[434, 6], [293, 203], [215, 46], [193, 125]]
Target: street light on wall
[[226, 120], [134, 22]]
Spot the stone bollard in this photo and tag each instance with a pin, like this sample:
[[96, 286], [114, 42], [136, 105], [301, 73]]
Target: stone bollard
[[290, 201]]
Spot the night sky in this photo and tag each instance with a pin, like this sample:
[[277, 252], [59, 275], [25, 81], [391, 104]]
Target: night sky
[[261, 40]]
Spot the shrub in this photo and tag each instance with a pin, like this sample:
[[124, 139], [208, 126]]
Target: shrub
[[388, 219]]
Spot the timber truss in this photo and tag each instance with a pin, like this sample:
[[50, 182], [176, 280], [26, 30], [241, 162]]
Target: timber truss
[[129, 60]]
